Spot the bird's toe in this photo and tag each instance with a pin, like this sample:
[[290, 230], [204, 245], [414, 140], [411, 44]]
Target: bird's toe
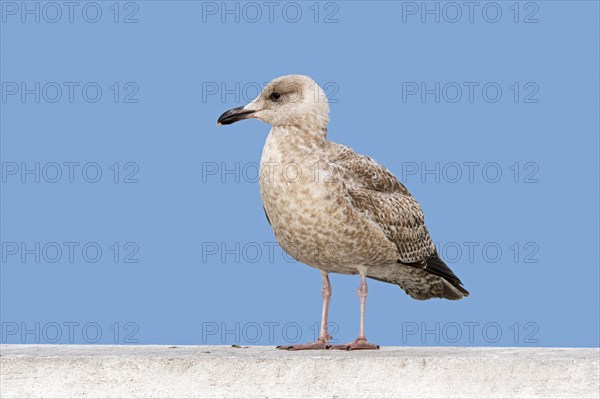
[[358, 344], [310, 346]]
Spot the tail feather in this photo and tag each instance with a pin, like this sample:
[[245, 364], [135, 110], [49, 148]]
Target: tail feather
[[435, 265], [425, 280]]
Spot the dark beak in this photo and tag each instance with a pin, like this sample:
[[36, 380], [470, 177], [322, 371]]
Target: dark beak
[[234, 115]]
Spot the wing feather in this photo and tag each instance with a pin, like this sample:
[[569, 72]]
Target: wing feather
[[377, 193]]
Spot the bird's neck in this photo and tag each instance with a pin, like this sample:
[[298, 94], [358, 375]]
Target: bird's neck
[[291, 140], [291, 159]]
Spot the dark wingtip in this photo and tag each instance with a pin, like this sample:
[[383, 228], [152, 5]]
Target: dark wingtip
[[438, 267], [453, 288]]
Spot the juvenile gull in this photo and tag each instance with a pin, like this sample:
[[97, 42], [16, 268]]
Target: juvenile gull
[[336, 210]]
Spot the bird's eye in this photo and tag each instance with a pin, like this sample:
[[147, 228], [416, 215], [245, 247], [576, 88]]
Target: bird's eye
[[275, 96]]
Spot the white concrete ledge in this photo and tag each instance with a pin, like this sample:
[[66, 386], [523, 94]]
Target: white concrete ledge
[[61, 371]]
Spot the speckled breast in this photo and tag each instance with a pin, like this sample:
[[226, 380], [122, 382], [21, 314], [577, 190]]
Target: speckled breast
[[309, 213]]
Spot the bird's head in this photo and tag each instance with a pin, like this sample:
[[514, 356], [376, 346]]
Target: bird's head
[[292, 100]]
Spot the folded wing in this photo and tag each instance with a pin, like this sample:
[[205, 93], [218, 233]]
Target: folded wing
[[378, 195]]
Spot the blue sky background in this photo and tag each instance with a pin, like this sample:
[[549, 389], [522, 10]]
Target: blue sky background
[[192, 263]]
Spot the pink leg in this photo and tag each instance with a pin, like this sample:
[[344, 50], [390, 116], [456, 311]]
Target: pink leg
[[360, 342], [322, 342]]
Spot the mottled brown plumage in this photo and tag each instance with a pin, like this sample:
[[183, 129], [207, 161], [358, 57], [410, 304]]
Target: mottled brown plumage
[[385, 200], [336, 210]]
